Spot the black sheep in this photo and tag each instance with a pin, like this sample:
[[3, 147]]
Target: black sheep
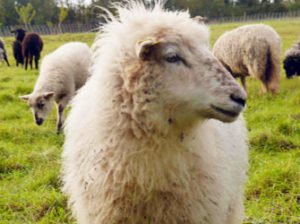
[[291, 62], [19, 34], [18, 54], [17, 45], [3, 55], [32, 46]]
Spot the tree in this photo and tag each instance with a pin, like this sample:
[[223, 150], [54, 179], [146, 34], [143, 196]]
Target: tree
[[63, 13], [26, 14], [46, 10]]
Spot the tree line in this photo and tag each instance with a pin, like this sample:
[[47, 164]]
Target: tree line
[[14, 12]]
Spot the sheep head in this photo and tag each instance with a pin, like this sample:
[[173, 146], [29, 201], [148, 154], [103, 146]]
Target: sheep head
[[19, 34], [188, 81], [40, 105], [291, 66]]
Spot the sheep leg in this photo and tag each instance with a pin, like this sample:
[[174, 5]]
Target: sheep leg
[[26, 62], [36, 60], [60, 112], [264, 86], [236, 214], [5, 58], [264, 83], [274, 77], [243, 80], [30, 61]]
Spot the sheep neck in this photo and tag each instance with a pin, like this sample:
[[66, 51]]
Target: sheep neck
[[156, 152]]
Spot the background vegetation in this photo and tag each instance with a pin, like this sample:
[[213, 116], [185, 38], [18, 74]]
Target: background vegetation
[[30, 154], [87, 11]]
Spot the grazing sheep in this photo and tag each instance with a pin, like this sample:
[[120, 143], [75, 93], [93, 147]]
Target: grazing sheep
[[291, 62], [18, 55], [19, 34], [62, 73], [251, 50], [32, 46], [145, 138], [3, 55]]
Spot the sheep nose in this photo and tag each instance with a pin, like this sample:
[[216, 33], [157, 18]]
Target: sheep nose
[[238, 99], [38, 121]]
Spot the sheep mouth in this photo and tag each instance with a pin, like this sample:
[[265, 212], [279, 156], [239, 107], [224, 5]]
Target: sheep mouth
[[39, 121], [226, 112]]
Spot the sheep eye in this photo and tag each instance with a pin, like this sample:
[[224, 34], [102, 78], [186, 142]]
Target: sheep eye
[[40, 105], [173, 59]]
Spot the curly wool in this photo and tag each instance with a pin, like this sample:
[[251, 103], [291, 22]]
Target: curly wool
[[65, 70], [125, 160], [252, 50]]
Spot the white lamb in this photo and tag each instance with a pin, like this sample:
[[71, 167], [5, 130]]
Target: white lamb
[[62, 73], [252, 50], [145, 139]]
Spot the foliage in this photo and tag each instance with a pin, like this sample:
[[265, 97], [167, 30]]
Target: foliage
[[63, 13], [49, 23], [26, 13], [80, 12]]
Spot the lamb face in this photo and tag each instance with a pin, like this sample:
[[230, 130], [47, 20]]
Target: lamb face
[[40, 105], [191, 81]]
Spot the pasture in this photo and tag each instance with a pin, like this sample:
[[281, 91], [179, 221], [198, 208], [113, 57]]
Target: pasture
[[30, 154]]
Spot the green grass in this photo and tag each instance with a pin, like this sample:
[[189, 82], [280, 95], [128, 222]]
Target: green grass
[[30, 155]]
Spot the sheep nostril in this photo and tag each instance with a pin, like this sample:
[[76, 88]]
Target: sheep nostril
[[238, 100]]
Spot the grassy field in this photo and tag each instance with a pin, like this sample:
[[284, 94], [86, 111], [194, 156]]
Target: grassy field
[[30, 155]]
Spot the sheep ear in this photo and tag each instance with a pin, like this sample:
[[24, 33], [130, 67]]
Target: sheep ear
[[25, 97], [48, 95], [144, 48], [200, 19]]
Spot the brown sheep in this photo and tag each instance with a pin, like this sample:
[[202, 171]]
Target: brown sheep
[[32, 46]]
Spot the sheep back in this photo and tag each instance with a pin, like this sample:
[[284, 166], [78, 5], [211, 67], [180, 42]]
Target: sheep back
[[32, 44], [251, 50], [65, 70]]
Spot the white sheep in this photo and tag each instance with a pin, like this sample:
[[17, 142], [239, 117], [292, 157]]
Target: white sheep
[[62, 73], [251, 50], [3, 54], [145, 138]]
